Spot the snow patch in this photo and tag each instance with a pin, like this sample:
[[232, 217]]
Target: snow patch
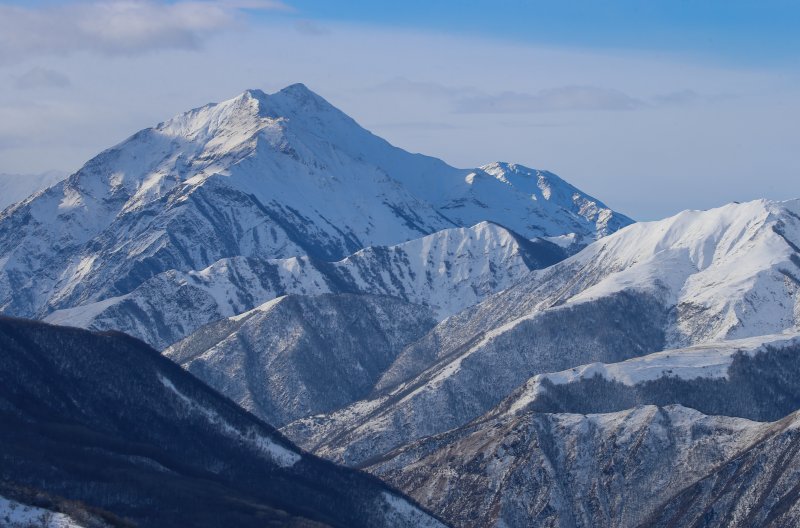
[[264, 308], [14, 514], [403, 513]]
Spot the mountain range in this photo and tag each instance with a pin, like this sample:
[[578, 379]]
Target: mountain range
[[498, 346], [261, 176]]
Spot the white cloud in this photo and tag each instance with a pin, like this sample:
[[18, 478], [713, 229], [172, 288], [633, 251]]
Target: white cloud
[[117, 26]]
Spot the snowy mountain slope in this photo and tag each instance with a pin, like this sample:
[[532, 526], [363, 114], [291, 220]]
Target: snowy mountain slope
[[264, 176], [301, 355], [14, 514], [105, 420], [573, 470], [728, 272], [523, 463], [477, 377], [17, 187], [721, 274], [447, 271]]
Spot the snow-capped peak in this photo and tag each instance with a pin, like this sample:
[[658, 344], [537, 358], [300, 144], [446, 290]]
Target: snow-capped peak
[[260, 175], [555, 197]]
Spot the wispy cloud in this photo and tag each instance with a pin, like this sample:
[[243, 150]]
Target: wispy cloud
[[39, 77], [563, 98], [415, 125], [689, 97], [309, 27], [465, 99], [117, 26], [423, 88]]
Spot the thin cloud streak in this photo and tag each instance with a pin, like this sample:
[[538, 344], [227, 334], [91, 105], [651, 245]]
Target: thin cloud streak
[[117, 27], [565, 98], [39, 77]]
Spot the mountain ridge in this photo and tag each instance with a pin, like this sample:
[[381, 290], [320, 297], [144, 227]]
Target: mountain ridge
[[102, 418], [611, 297], [446, 271]]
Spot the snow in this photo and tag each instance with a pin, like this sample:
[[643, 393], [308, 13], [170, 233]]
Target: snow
[[16, 187], [263, 308], [323, 183], [446, 271], [725, 268], [17, 515], [402, 513], [82, 316], [563, 241], [710, 360], [275, 452]]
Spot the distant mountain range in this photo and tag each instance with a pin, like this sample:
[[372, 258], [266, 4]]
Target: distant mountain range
[[493, 342]]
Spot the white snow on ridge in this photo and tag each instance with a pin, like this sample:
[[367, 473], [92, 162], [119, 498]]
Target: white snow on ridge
[[710, 360], [728, 269], [263, 308], [402, 513], [14, 514], [266, 176], [700, 361], [446, 271]]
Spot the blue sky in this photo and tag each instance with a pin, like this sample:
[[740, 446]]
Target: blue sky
[[652, 106], [747, 31]]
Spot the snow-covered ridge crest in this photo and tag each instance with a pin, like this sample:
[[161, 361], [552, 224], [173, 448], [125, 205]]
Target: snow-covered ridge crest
[[696, 278], [559, 200], [258, 176], [446, 271], [707, 361], [731, 272], [726, 273]]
